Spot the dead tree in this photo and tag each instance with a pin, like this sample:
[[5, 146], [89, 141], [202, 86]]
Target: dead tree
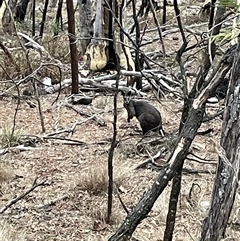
[[86, 23], [43, 18], [33, 17], [227, 176], [58, 17], [138, 62], [21, 10], [73, 46], [176, 183]]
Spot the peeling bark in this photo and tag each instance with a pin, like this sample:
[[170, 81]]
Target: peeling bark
[[96, 50]]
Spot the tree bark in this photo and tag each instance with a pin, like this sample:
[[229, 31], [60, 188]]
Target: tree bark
[[58, 17], [227, 177], [43, 17], [21, 10], [86, 28], [33, 17], [73, 47]]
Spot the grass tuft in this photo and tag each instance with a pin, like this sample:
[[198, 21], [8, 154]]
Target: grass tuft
[[94, 179], [9, 139]]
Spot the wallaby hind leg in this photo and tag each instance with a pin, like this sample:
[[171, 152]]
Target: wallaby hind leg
[[150, 122]]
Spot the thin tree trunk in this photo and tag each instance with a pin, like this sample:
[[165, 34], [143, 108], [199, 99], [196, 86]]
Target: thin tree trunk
[[21, 10], [188, 100], [33, 17], [73, 47], [43, 18], [111, 152], [58, 17], [164, 18], [138, 67]]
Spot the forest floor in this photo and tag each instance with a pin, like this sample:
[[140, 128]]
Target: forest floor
[[71, 203], [74, 203]]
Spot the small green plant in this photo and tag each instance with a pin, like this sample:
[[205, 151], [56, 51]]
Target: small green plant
[[8, 138]]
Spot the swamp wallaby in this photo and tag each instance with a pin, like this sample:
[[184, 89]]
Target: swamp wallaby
[[148, 116]]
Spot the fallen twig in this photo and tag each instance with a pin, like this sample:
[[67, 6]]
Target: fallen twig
[[72, 129], [98, 120], [17, 148], [150, 160], [120, 199], [15, 200], [52, 202], [68, 140]]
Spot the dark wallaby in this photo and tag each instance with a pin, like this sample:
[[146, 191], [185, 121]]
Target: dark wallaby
[[148, 116]]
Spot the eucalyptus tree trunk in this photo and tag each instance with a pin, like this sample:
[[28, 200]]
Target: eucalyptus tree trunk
[[86, 26], [58, 18], [227, 176], [43, 17], [21, 10], [73, 46], [96, 50]]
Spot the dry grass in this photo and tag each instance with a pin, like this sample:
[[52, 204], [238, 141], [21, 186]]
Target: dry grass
[[10, 233], [6, 172], [80, 173], [8, 138], [94, 178], [74, 206]]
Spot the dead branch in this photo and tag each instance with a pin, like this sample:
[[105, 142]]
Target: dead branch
[[68, 140], [15, 200], [17, 149], [52, 202], [159, 31], [200, 160], [72, 129], [98, 120], [120, 199], [149, 160], [108, 81], [30, 43]]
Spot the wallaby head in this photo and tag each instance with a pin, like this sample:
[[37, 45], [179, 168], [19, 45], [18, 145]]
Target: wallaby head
[[148, 116], [129, 106]]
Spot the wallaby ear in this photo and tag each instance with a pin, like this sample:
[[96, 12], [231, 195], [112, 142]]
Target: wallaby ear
[[122, 93]]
